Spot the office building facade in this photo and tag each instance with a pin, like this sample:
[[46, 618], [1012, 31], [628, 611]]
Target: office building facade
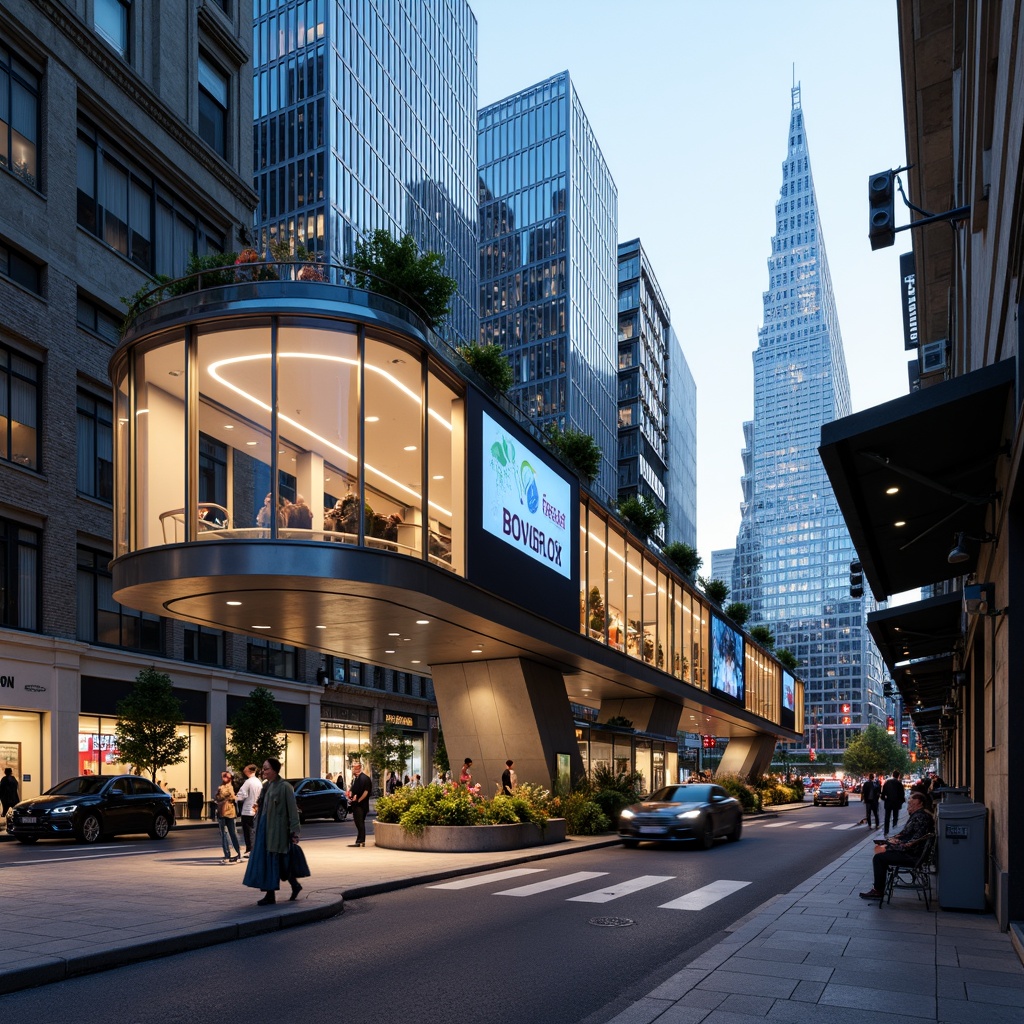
[[548, 214], [793, 550], [682, 446], [365, 118]]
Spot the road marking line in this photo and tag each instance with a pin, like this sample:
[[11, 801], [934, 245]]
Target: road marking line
[[842, 828], [623, 889], [704, 897], [815, 824], [552, 883], [497, 876], [778, 824], [62, 860]]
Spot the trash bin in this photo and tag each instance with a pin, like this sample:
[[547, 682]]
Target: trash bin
[[960, 830], [195, 806]]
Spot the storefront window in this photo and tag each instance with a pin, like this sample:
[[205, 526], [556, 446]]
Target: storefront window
[[615, 589], [446, 446], [21, 750], [340, 743]]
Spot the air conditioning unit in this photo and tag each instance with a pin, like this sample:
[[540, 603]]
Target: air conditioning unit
[[933, 357]]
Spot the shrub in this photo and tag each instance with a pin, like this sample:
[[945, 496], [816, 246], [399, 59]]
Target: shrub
[[629, 784], [685, 558], [582, 816], [737, 787], [738, 612], [611, 803], [642, 513], [717, 590], [580, 450], [451, 804], [491, 363]]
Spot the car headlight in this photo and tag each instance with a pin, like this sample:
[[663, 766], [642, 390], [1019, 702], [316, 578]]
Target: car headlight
[[70, 809], [627, 813], [688, 814]]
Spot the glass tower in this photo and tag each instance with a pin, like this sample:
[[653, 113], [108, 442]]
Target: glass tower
[[548, 218], [364, 118], [682, 446], [793, 551]]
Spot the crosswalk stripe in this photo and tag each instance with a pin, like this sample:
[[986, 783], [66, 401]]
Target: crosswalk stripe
[[613, 892], [705, 896], [843, 828], [497, 876], [778, 824], [552, 883], [815, 824]]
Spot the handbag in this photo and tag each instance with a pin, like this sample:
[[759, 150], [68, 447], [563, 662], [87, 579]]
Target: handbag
[[295, 861]]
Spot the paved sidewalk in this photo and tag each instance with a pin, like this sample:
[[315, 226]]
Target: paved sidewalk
[[818, 953]]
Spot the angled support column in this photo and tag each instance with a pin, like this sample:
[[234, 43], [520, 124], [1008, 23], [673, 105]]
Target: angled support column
[[509, 708], [648, 714], [748, 755]]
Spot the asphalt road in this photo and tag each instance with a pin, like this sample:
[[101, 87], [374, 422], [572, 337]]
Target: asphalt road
[[474, 950]]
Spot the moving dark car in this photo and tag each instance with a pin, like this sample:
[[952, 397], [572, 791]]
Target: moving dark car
[[831, 793], [686, 813], [319, 798], [89, 807]]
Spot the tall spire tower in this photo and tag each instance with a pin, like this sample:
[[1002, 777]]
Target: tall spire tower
[[793, 551]]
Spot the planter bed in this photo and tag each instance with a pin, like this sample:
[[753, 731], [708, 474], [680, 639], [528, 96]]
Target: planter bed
[[468, 838]]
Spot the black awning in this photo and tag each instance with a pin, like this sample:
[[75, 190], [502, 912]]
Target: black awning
[[938, 447]]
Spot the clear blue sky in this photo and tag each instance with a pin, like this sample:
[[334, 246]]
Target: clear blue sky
[[690, 102]]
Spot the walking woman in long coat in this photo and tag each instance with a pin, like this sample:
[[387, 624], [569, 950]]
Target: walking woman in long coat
[[277, 828]]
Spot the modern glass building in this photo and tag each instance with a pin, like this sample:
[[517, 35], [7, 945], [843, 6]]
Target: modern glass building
[[793, 551], [548, 218], [364, 118], [681, 493]]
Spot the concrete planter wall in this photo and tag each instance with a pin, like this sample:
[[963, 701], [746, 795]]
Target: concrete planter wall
[[468, 838]]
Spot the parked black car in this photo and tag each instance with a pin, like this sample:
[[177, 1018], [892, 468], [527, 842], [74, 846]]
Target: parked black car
[[89, 807], [685, 813], [319, 798]]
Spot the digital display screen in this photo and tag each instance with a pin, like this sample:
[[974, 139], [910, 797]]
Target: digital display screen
[[726, 660], [788, 692]]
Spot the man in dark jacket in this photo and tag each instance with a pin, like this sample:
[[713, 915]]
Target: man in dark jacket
[[894, 796], [903, 849], [869, 794], [8, 791]]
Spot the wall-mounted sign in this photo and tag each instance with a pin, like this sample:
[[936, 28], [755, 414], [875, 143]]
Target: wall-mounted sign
[[908, 292], [7, 682], [526, 503], [32, 688], [405, 721]]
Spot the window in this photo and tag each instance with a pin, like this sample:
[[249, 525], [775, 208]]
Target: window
[[111, 23], [20, 593], [95, 318], [213, 470], [20, 411], [269, 658], [213, 106], [101, 620], [19, 118], [21, 269], [204, 645], [95, 447]]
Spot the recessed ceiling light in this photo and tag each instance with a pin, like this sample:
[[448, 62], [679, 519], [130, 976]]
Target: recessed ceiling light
[[389, 652], [394, 634], [900, 522], [234, 604], [423, 622], [262, 627], [409, 448], [406, 639], [476, 650], [252, 444], [229, 426], [439, 476], [892, 490], [373, 419], [321, 627], [415, 661]]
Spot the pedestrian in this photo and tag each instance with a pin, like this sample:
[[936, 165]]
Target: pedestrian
[[465, 778], [249, 796], [416, 782], [8, 791], [508, 778], [903, 849], [869, 794], [329, 777], [894, 796], [390, 784], [226, 813], [277, 829], [359, 801]]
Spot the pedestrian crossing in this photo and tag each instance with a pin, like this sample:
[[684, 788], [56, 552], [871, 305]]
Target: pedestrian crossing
[[787, 822], [697, 899]]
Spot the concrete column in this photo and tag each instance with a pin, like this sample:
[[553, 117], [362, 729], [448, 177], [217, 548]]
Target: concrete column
[[510, 708], [648, 714], [748, 755]]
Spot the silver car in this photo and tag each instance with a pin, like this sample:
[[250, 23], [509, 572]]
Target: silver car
[[697, 812]]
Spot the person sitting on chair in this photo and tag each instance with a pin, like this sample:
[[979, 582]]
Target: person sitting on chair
[[903, 849]]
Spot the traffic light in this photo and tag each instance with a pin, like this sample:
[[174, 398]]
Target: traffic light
[[856, 579], [812, 756], [905, 738], [890, 726], [882, 220]]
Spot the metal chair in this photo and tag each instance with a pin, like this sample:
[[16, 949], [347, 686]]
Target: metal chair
[[916, 876]]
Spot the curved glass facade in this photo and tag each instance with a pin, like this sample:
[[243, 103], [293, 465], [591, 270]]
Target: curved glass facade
[[299, 428]]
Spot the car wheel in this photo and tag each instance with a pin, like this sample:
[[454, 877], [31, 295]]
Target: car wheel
[[630, 844], [734, 835], [27, 840], [341, 813], [707, 839], [90, 830], [161, 826]]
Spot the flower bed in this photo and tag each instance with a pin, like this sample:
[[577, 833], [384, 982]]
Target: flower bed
[[474, 839]]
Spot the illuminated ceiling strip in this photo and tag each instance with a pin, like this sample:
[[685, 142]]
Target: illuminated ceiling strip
[[214, 367]]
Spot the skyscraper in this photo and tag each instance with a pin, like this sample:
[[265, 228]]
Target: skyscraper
[[548, 254], [793, 550], [365, 118], [682, 446]]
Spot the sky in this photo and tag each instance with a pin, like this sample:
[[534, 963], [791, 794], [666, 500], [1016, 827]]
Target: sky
[[690, 103]]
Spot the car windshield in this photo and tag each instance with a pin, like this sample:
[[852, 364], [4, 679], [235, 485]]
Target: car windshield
[[831, 786], [680, 794], [81, 786]]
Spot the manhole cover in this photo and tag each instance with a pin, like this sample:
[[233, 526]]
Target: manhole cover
[[610, 922]]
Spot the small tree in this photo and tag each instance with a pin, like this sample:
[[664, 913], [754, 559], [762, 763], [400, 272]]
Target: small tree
[[389, 751], [441, 754], [642, 513], [685, 558], [874, 750], [787, 658], [398, 270], [255, 731], [717, 590], [580, 450], [491, 363], [763, 635], [619, 722], [738, 612], [596, 610], [147, 724]]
